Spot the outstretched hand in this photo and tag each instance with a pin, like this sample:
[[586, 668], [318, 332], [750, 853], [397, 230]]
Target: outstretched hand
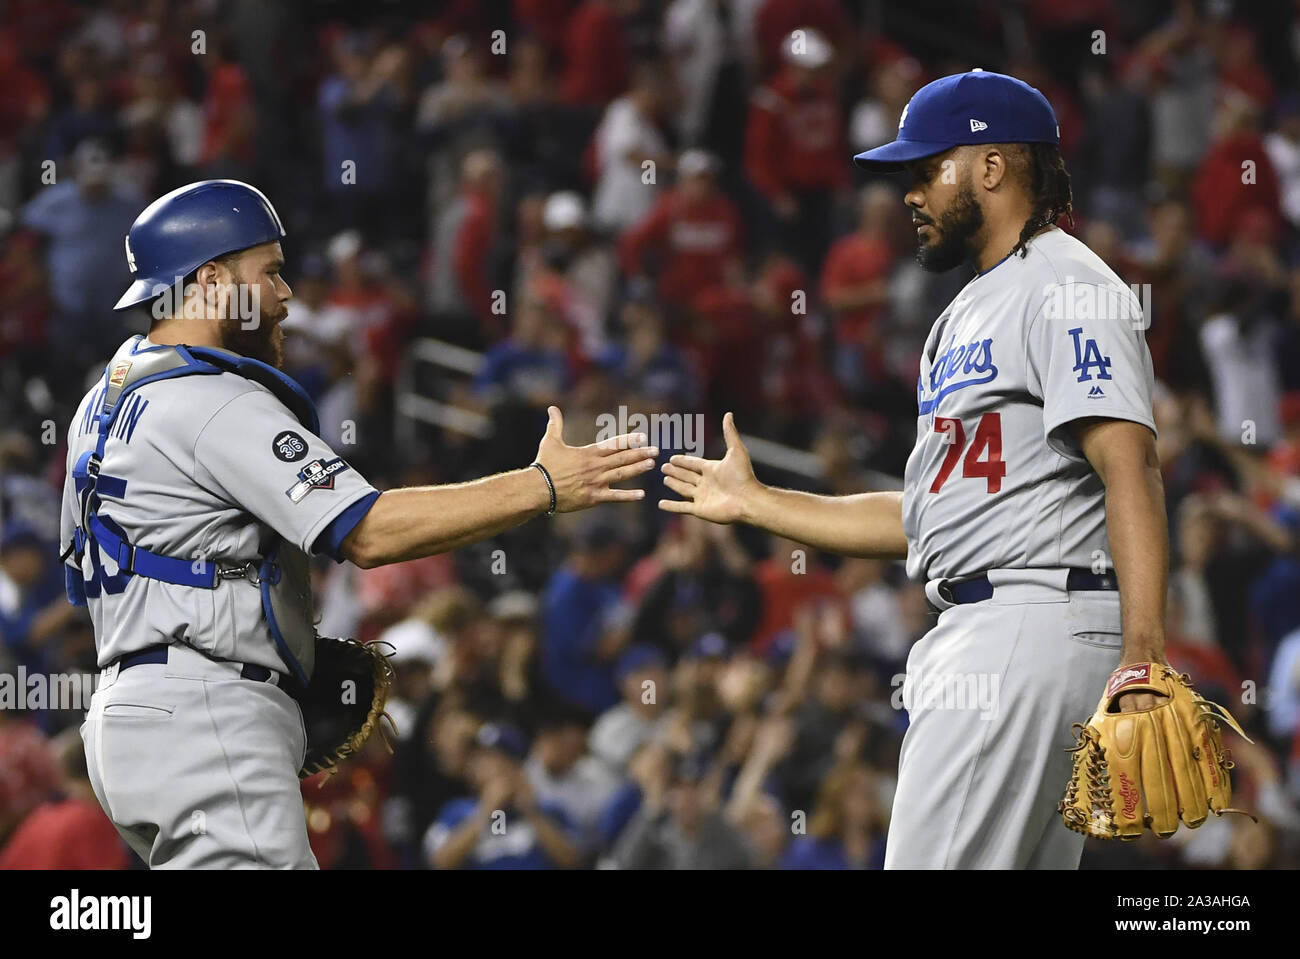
[[584, 475], [715, 490]]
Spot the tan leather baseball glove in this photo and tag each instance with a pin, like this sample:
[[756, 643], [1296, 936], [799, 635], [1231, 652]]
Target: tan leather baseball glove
[[1152, 768]]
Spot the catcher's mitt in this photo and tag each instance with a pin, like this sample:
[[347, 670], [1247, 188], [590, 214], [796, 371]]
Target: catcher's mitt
[[1149, 768], [344, 701]]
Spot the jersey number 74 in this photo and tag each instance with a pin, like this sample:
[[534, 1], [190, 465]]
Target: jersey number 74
[[987, 442]]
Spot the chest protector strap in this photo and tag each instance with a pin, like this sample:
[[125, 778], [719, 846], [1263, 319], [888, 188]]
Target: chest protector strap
[[283, 575]]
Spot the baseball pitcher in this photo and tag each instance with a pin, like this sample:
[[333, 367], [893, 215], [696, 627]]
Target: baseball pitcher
[[197, 486], [1032, 509]]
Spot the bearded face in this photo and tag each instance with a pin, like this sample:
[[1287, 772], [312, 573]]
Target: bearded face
[[949, 240], [264, 341], [256, 303], [948, 218]]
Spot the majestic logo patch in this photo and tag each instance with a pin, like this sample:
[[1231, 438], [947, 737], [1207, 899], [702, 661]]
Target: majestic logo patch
[[118, 374], [1096, 392], [318, 474], [289, 447], [1087, 356]]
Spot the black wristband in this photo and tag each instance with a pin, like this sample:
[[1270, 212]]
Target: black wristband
[[549, 485]]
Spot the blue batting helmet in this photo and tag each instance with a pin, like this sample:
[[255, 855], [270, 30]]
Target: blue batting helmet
[[179, 232]]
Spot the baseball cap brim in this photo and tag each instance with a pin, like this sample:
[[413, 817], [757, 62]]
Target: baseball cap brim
[[892, 156], [137, 292]]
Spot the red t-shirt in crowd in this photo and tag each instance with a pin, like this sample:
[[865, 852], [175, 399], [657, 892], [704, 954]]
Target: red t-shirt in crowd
[[26, 95], [471, 254], [794, 138], [784, 592], [545, 18], [386, 592], [1209, 664], [777, 19], [70, 834], [229, 94], [42, 27], [1222, 199], [343, 819], [726, 344], [855, 260], [1239, 65], [694, 242], [27, 769], [596, 56]]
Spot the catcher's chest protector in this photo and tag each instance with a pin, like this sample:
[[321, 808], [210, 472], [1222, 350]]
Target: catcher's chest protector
[[282, 575]]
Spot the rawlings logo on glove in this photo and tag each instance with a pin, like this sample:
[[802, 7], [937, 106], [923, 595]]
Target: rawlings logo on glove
[[1126, 676], [1153, 768]]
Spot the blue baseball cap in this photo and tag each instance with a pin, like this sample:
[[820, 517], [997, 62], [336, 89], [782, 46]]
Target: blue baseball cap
[[638, 658], [19, 535], [965, 108], [504, 737], [708, 646]]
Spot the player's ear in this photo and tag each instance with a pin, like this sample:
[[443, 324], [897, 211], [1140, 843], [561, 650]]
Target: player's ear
[[216, 275], [208, 274], [213, 280], [220, 271], [992, 167]]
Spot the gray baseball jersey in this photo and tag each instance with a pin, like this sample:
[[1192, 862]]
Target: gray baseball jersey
[[995, 480], [203, 467]]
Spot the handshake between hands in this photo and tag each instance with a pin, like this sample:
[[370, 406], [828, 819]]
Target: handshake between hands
[[584, 476]]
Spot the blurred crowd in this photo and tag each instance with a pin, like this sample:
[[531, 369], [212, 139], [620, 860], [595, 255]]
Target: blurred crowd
[[649, 205]]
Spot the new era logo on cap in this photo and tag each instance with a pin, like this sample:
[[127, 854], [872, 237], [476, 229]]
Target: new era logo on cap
[[966, 108]]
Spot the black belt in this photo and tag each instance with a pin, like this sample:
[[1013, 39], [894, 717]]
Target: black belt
[[978, 588], [158, 655]]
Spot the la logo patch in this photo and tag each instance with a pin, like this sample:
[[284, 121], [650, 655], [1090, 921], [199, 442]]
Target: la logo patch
[[1087, 357]]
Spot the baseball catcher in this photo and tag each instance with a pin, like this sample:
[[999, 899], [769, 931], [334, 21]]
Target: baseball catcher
[[197, 487]]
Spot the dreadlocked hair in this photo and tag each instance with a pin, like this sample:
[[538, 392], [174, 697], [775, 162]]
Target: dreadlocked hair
[[1048, 183]]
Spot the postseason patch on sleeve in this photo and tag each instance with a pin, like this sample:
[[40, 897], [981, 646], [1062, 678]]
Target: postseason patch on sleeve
[[318, 474]]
